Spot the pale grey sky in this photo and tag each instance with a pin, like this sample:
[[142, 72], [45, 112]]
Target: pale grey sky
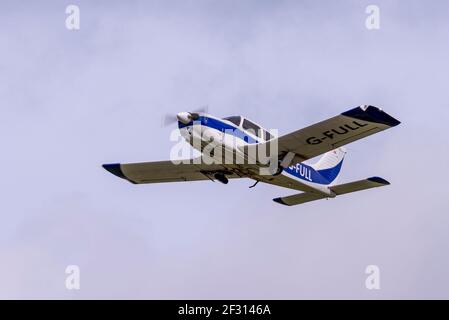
[[73, 100]]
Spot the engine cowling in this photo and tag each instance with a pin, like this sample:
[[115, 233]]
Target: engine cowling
[[187, 117], [184, 117]]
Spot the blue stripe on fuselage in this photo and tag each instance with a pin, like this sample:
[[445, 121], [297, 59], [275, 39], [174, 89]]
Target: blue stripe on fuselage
[[220, 126], [307, 173]]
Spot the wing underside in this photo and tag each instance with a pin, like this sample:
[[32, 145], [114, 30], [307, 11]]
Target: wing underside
[[327, 135], [168, 171]]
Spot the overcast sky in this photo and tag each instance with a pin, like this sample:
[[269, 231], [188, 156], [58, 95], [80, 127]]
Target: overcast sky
[[73, 100]]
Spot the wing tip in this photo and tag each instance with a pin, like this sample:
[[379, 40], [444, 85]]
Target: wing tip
[[279, 200], [372, 114], [116, 170], [379, 180]]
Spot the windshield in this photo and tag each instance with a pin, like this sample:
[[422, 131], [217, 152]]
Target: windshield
[[256, 130], [268, 136], [234, 119]]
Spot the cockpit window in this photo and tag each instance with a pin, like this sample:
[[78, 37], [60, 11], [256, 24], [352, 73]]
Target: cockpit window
[[248, 125], [256, 130], [234, 119], [252, 127], [267, 135]]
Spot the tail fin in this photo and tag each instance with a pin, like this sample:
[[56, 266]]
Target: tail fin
[[329, 165]]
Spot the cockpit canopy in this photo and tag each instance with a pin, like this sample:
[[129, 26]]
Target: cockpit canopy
[[234, 119], [250, 126]]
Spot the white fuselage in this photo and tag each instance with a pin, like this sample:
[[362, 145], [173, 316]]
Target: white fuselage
[[208, 132]]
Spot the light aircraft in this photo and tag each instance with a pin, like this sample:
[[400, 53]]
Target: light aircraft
[[315, 181]]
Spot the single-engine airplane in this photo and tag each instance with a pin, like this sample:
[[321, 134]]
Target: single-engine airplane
[[315, 181]]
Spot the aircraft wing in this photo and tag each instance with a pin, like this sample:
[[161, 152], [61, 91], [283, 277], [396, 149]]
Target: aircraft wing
[[167, 171], [332, 133]]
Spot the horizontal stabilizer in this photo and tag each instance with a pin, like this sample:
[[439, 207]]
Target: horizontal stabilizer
[[340, 189], [369, 183], [299, 198]]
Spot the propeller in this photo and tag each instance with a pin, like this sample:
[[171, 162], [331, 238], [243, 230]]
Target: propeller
[[203, 109], [170, 118]]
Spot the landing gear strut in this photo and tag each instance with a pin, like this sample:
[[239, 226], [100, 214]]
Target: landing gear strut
[[278, 171]]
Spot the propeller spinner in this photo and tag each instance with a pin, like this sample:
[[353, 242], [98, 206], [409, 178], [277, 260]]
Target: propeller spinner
[[183, 117]]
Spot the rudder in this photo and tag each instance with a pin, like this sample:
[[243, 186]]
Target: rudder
[[329, 165]]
